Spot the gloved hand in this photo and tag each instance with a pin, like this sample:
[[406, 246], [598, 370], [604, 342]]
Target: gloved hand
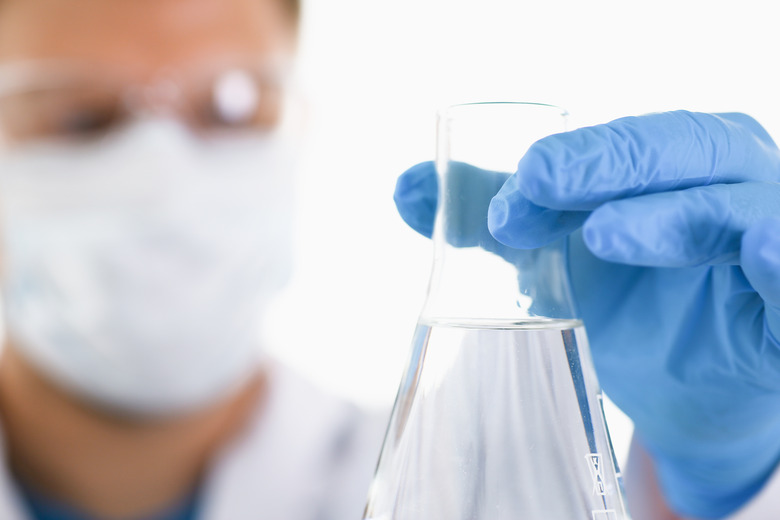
[[676, 272]]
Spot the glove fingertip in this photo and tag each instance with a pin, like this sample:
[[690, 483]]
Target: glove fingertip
[[416, 197], [760, 258], [518, 223], [557, 171], [601, 237], [498, 218], [535, 178], [509, 228]]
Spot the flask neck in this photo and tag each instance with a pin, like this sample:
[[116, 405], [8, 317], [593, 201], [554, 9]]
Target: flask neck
[[476, 279]]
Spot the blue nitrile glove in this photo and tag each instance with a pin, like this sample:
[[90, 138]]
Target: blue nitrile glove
[[676, 272]]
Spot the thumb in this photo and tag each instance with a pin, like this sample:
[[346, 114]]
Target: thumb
[[416, 197], [469, 192], [760, 259]]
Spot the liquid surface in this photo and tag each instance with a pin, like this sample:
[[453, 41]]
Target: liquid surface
[[515, 325]]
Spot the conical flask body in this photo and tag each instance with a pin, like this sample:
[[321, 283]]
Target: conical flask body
[[498, 415], [497, 423]]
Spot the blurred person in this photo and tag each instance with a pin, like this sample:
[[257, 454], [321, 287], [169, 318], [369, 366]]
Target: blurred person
[[145, 178]]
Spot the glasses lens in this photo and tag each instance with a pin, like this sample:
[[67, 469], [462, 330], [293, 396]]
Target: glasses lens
[[73, 112], [238, 99]]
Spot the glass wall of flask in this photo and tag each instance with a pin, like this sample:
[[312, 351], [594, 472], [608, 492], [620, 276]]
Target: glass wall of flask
[[498, 415]]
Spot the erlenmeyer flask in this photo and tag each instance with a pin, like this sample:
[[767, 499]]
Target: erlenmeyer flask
[[499, 414]]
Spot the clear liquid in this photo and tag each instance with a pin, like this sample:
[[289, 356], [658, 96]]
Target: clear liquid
[[494, 421]]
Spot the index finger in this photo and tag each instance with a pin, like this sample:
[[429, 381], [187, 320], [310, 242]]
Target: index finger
[[632, 156]]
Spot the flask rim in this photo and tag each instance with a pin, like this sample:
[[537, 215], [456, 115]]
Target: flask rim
[[455, 107]]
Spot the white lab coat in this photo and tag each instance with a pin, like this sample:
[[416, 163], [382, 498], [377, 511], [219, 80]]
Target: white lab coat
[[305, 455], [308, 456]]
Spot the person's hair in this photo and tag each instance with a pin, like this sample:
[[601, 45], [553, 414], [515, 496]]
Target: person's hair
[[292, 6]]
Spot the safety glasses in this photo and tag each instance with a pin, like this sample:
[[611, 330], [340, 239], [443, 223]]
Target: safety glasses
[[67, 101]]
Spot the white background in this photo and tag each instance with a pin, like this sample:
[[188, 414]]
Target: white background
[[374, 73]]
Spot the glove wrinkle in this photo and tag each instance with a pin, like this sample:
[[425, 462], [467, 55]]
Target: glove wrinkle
[[633, 156]]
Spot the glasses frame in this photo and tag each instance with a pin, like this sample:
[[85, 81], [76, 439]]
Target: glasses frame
[[168, 92]]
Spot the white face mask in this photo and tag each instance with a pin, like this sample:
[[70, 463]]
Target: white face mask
[[135, 270]]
